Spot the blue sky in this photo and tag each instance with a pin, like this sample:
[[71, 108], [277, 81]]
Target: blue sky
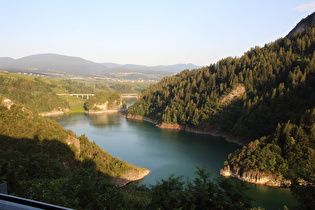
[[162, 32]]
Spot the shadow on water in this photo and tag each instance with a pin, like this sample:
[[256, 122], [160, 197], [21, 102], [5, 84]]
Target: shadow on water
[[271, 197], [166, 152]]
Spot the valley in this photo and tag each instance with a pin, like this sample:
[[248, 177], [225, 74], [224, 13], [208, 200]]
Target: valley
[[263, 100]]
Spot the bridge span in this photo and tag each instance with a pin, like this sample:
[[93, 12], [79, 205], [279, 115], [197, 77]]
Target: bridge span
[[81, 95], [88, 95], [129, 95]]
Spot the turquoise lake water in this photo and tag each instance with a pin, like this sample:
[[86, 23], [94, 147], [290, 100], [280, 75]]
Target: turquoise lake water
[[165, 152]]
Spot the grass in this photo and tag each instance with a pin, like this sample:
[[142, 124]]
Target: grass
[[76, 104]]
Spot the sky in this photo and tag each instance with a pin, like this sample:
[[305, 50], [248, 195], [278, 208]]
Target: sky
[[144, 32]]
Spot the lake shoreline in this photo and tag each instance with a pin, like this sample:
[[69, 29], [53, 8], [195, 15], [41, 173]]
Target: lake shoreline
[[227, 137], [130, 176], [164, 151], [254, 178]]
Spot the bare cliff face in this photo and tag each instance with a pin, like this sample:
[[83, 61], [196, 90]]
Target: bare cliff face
[[75, 142], [7, 103], [130, 176], [305, 23], [255, 177], [236, 93], [106, 107]]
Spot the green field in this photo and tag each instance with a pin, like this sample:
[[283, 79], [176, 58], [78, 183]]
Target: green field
[[76, 104]]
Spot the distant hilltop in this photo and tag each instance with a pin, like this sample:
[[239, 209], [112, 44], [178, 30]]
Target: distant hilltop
[[79, 66], [305, 23]]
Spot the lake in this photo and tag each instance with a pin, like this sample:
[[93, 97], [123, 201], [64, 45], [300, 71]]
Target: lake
[[164, 152]]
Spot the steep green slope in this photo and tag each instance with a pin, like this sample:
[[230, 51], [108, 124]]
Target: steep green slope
[[31, 92], [279, 86], [288, 152], [41, 160], [257, 96], [104, 101]]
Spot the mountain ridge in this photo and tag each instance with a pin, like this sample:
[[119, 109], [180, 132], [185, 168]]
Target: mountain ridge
[[273, 114], [305, 23], [77, 65]]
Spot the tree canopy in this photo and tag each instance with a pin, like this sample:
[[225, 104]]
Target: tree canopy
[[275, 112]]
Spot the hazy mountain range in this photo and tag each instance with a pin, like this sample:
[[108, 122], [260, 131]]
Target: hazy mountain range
[[79, 66], [54, 64]]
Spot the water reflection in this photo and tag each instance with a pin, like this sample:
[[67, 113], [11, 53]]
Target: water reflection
[[130, 100], [105, 119], [164, 151], [271, 197]]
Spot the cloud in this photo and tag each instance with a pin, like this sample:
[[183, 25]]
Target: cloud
[[306, 7]]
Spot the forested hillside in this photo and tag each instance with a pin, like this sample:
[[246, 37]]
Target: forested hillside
[[31, 92], [269, 91], [38, 93], [279, 86], [42, 161], [104, 101]]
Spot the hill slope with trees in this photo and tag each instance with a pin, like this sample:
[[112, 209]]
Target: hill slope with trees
[[42, 161], [278, 80], [104, 101], [31, 92]]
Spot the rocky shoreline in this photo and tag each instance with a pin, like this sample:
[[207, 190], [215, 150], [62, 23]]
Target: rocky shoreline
[[130, 176], [53, 113], [186, 128], [255, 177]]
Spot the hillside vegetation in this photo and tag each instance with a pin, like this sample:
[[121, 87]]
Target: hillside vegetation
[[104, 101], [42, 161], [276, 106], [31, 92], [38, 93]]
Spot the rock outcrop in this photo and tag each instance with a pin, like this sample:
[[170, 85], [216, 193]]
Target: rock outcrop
[[7, 103], [170, 126], [255, 177], [58, 111], [105, 107], [75, 142], [130, 176], [237, 92], [305, 23]]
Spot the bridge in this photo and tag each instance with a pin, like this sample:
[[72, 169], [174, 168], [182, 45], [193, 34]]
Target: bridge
[[81, 95], [88, 95], [130, 95]]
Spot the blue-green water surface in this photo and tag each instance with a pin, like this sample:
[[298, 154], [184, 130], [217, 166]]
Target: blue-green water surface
[[164, 152]]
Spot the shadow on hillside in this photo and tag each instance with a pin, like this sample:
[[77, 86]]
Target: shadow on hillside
[[50, 171], [29, 159], [259, 119]]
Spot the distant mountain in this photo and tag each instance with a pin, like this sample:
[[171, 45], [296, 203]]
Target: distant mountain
[[305, 23], [76, 65], [56, 62], [6, 61], [167, 68]]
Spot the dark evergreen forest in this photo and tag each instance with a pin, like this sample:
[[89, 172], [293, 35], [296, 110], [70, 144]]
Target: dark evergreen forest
[[42, 161], [264, 99], [278, 79], [275, 112]]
